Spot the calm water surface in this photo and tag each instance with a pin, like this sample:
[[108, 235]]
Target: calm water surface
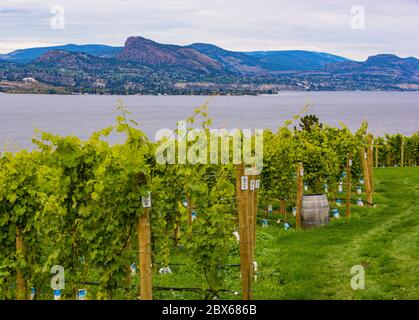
[[20, 115]]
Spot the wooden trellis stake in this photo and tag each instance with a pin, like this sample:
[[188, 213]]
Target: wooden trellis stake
[[388, 158], [256, 206], [189, 209], [266, 206], [255, 211], [282, 207], [242, 192], [370, 160], [176, 233], [144, 245], [251, 213], [252, 209], [129, 271], [21, 286], [365, 168], [348, 185], [402, 154], [376, 155], [300, 174]]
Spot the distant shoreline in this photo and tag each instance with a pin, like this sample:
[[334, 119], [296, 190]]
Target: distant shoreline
[[203, 94]]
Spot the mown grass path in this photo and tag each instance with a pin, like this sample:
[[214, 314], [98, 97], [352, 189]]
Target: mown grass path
[[316, 264]]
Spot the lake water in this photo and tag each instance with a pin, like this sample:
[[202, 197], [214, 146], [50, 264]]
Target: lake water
[[20, 115]]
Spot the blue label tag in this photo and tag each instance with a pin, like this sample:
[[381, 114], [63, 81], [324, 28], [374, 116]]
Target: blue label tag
[[57, 294], [184, 203], [134, 267], [82, 294], [33, 292]]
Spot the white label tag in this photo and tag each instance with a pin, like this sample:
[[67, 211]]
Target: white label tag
[[237, 235], [365, 155], [257, 184], [252, 185], [302, 172], [245, 183], [146, 201], [350, 163]]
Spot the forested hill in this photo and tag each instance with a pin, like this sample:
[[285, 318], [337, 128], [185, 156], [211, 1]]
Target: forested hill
[[145, 66]]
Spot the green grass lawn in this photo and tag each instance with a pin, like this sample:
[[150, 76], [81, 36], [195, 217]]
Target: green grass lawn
[[316, 264]]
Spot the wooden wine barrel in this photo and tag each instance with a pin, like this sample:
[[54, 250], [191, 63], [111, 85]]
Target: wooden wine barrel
[[315, 211]]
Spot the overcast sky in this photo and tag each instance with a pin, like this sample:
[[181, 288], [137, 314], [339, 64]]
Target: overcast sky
[[391, 26]]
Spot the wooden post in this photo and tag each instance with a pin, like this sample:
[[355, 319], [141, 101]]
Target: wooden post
[[129, 271], [21, 286], [348, 185], [364, 159], [282, 207], [376, 155], [267, 207], [256, 206], [242, 187], [255, 212], [402, 154], [300, 174], [176, 233], [189, 208], [144, 245], [251, 213], [370, 161]]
